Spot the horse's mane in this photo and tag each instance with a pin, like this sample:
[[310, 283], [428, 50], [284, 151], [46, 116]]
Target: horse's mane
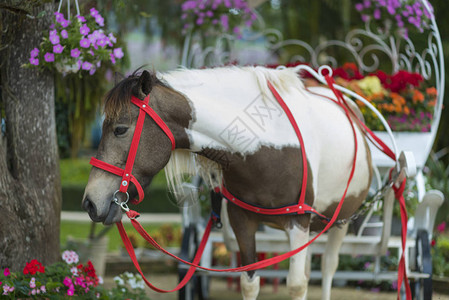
[[119, 97]]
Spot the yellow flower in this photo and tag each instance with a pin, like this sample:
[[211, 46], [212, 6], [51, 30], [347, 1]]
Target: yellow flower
[[370, 85]]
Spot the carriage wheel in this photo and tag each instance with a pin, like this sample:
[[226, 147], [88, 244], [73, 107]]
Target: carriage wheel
[[188, 250], [423, 260]]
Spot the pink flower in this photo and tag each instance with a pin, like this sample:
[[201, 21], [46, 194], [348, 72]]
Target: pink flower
[[34, 52], [6, 272], [85, 43], [64, 34], [43, 289], [59, 17], [84, 29], [86, 65], [33, 282], [49, 57], [81, 19], [71, 290], [118, 53], [34, 61], [100, 21], [70, 256], [112, 58], [54, 39], [93, 12], [102, 42], [65, 23], [112, 38], [67, 281], [74, 53], [58, 48], [442, 227], [74, 271]]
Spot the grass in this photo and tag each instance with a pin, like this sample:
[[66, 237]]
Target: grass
[[80, 231], [76, 172]]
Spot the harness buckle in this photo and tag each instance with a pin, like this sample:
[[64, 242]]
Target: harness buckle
[[122, 204]]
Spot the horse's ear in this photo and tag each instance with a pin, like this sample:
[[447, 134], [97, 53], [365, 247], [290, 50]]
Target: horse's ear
[[145, 83]]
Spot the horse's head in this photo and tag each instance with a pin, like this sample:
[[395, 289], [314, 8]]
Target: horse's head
[[153, 150]]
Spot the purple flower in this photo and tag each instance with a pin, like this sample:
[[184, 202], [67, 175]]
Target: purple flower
[[209, 13], [84, 29], [65, 23], [64, 34], [100, 21], [85, 43], [53, 32], [93, 12], [59, 17], [75, 52], [199, 21], [54, 39], [118, 53], [112, 38], [365, 18], [49, 57], [376, 14], [86, 65], [81, 18], [224, 22], [34, 52], [92, 71], [112, 58], [188, 5], [58, 48], [367, 3], [102, 42]]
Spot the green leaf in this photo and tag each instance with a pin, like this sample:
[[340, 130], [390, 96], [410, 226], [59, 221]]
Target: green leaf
[[41, 14], [145, 14]]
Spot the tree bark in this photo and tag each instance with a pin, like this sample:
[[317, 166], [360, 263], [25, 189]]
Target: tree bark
[[30, 189]]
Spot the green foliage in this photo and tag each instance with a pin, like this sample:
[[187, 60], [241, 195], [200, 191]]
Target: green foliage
[[74, 171], [71, 230], [440, 256], [437, 175]]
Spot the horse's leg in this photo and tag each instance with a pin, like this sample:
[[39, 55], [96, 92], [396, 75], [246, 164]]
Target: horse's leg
[[329, 260], [245, 229], [296, 279]]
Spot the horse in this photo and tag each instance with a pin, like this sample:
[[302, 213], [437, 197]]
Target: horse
[[227, 126]]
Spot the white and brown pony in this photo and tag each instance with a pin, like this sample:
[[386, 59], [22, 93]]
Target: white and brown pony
[[226, 122]]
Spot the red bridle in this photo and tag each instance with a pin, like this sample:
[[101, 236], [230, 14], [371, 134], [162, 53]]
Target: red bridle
[[126, 174]]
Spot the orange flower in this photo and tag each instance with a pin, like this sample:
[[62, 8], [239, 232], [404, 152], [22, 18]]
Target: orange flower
[[406, 110], [432, 91], [417, 96], [398, 99]]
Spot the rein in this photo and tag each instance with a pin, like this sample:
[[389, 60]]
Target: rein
[[299, 208]]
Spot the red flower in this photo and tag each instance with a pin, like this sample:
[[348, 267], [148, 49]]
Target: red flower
[[432, 243], [442, 227], [33, 267]]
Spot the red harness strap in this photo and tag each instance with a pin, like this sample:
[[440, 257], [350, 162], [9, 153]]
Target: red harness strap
[[398, 191]]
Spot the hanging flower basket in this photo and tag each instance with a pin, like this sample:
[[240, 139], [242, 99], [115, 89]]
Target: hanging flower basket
[[81, 45]]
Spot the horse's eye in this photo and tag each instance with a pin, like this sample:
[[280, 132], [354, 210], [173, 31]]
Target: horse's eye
[[120, 130]]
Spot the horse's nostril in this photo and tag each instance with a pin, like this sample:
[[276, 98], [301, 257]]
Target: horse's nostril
[[89, 206]]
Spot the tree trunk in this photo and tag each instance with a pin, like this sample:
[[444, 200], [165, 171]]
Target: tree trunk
[[30, 189]]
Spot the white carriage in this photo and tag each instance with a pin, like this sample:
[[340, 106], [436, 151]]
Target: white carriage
[[367, 49]]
